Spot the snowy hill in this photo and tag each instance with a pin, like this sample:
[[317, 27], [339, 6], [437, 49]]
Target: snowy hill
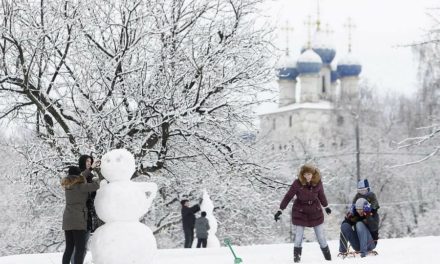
[[421, 250]]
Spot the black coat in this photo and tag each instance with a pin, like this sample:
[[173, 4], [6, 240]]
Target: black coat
[[93, 221], [188, 217], [371, 221]]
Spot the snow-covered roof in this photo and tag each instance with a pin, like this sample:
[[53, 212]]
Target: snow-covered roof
[[309, 56], [321, 105], [349, 65], [324, 47], [321, 40], [286, 61], [309, 62], [349, 59]]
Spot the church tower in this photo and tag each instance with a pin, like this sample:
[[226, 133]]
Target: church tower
[[287, 73], [348, 70], [309, 117]]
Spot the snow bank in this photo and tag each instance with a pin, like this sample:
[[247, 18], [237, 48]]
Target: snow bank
[[398, 251]]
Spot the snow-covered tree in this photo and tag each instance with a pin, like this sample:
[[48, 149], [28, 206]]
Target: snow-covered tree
[[418, 172], [172, 81]]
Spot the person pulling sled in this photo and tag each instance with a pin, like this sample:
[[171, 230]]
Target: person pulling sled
[[307, 209]]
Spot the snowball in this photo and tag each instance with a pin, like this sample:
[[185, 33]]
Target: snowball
[[114, 243], [120, 201], [118, 165]]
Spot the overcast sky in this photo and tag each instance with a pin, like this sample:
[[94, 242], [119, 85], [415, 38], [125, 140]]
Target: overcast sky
[[382, 28]]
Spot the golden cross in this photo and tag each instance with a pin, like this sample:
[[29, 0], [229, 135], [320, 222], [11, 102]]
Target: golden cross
[[309, 25], [288, 29], [328, 29], [318, 14], [350, 26]]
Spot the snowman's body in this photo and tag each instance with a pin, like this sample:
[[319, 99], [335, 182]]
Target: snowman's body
[[120, 204], [208, 207]]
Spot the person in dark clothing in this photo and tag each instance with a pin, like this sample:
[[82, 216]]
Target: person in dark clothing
[[188, 221], [202, 227], [364, 191], [74, 217], [307, 208], [361, 228], [87, 166]]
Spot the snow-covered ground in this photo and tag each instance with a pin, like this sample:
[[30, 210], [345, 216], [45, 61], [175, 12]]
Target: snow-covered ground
[[421, 250]]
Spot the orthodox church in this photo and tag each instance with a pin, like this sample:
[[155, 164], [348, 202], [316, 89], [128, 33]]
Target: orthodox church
[[314, 92]]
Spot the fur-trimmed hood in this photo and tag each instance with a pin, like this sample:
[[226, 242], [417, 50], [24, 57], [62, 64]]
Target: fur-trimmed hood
[[316, 178], [69, 181]]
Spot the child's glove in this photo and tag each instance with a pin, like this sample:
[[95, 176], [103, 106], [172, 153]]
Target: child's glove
[[352, 210], [367, 208], [277, 215]]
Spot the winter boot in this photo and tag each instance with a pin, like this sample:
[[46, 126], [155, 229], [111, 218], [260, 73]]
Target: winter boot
[[297, 254], [326, 252]]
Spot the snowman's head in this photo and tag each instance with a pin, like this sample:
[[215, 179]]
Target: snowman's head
[[118, 165]]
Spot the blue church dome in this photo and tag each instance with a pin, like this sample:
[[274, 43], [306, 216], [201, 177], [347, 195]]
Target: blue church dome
[[286, 68], [309, 62], [327, 55], [334, 76], [287, 73], [323, 47], [349, 66]]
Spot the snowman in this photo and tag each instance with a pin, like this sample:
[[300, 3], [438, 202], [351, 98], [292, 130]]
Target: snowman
[[120, 204], [208, 206]]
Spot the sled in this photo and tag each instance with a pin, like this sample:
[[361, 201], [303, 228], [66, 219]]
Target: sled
[[237, 260], [354, 254]]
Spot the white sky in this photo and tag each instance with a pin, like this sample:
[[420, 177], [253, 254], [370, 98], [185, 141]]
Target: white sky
[[382, 27]]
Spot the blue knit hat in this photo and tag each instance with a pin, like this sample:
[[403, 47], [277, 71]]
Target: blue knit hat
[[363, 184]]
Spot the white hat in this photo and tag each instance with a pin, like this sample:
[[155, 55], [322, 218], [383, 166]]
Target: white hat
[[360, 203]]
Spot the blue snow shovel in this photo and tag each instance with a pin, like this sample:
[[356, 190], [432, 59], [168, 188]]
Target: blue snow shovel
[[237, 260]]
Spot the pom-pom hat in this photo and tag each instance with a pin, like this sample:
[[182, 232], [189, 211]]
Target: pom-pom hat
[[363, 184]]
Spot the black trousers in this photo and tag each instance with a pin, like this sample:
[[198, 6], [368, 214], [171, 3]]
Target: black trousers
[[75, 240], [189, 237], [202, 242], [72, 259]]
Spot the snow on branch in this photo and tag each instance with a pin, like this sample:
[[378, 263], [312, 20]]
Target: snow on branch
[[408, 142]]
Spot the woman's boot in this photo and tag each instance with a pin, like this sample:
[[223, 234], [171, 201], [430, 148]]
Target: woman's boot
[[297, 254], [326, 252]]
